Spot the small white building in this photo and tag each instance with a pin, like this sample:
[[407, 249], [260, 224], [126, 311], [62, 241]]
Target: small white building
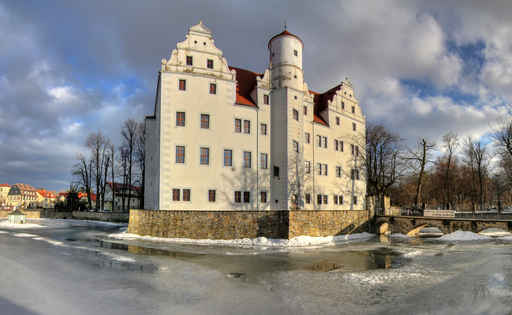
[[225, 138]]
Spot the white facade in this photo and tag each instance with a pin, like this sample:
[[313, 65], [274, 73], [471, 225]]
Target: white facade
[[206, 111]]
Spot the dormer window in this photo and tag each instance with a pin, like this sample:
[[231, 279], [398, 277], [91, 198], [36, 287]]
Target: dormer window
[[209, 64], [295, 52], [189, 60]]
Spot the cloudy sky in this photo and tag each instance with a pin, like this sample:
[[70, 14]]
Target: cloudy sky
[[68, 68]]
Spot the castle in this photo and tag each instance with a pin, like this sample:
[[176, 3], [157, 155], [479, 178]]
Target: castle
[[226, 138]]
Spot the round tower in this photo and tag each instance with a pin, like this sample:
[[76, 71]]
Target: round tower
[[285, 51]]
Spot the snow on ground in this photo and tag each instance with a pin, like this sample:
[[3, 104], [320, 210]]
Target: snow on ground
[[57, 223], [24, 235], [464, 236], [7, 225], [495, 232], [300, 241], [399, 235]]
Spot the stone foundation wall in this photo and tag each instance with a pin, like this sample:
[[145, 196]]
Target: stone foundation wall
[[327, 222], [245, 224], [446, 225], [101, 216]]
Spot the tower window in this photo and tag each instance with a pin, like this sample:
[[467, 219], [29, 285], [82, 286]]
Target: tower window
[[205, 121], [354, 126], [296, 114], [295, 52], [238, 125], [228, 157], [180, 119], [211, 195], [182, 85], [342, 105], [189, 60], [213, 88], [265, 99], [305, 110], [209, 64], [276, 171], [337, 121], [353, 109]]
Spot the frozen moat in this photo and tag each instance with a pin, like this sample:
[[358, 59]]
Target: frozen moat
[[74, 267]]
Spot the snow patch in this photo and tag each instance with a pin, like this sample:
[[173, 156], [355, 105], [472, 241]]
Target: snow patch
[[464, 236], [413, 253], [24, 235], [7, 225], [299, 241], [399, 235], [495, 232], [4, 232]]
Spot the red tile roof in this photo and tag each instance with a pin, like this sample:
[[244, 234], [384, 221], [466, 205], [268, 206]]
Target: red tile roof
[[321, 101], [119, 186], [285, 33], [245, 83], [5, 185]]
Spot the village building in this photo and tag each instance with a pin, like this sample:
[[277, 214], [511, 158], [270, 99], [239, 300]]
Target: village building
[[22, 195], [4, 192], [46, 199], [126, 197], [226, 138]]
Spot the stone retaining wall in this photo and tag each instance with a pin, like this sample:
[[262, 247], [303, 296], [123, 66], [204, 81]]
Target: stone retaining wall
[[101, 216], [79, 215], [245, 224]]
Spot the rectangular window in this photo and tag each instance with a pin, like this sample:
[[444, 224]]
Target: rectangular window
[[263, 128], [205, 121], [307, 167], [238, 196], [247, 196], [228, 157], [182, 85], [305, 110], [335, 199], [266, 99], [180, 154], [337, 121], [325, 201], [209, 64], [247, 126], [319, 138], [355, 199], [211, 195], [308, 198], [205, 156], [342, 105], [357, 150], [319, 167], [295, 146], [213, 88], [340, 199], [319, 199], [189, 60], [352, 149], [238, 125], [247, 159], [341, 146], [295, 114], [295, 52], [186, 194], [180, 119], [307, 137], [325, 169], [354, 126], [336, 147], [263, 196], [175, 194], [264, 160], [276, 171], [353, 110], [338, 171], [325, 142]]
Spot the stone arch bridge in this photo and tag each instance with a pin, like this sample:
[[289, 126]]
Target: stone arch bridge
[[410, 224]]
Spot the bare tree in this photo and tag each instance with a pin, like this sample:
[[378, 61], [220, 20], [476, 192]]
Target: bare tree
[[113, 178], [450, 144], [503, 137], [82, 171], [418, 160], [477, 160], [129, 134], [140, 153], [382, 160], [123, 164]]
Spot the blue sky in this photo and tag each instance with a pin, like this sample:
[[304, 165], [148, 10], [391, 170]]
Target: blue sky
[[423, 68]]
